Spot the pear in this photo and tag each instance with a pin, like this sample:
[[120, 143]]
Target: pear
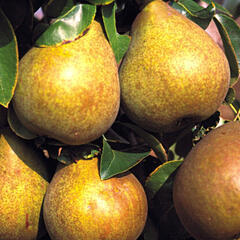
[[24, 177], [206, 189], [80, 206], [173, 73], [69, 92]]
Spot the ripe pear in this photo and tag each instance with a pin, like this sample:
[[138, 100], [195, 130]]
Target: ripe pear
[[80, 206], [173, 73], [69, 92], [206, 189], [24, 178]]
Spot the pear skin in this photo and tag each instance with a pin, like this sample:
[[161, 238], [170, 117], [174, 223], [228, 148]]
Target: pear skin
[[80, 206], [24, 178], [173, 73], [70, 92], [206, 189]]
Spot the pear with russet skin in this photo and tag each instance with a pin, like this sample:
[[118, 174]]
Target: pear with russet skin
[[69, 92], [206, 189], [173, 73], [80, 206], [24, 178]]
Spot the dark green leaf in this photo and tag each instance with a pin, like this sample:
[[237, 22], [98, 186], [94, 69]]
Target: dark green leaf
[[69, 26], [119, 43], [189, 6], [38, 3], [114, 162], [39, 29], [182, 144], [71, 154], [236, 105], [229, 99], [159, 176], [232, 5], [150, 231], [172, 153], [233, 31], [196, 13], [57, 8], [114, 137], [230, 34], [16, 11], [219, 7], [9, 60], [17, 126], [150, 140], [100, 2], [74, 153]]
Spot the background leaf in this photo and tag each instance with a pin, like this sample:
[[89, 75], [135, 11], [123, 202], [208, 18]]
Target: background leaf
[[230, 34], [114, 162], [38, 3], [233, 31], [150, 231], [100, 2], [17, 11], [232, 5], [150, 140], [9, 60], [159, 176], [196, 13], [230, 97], [58, 8], [71, 154], [69, 26], [219, 7], [119, 43]]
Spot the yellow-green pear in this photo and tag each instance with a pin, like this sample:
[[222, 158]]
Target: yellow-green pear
[[24, 177], [206, 189], [173, 73], [69, 92], [80, 206]]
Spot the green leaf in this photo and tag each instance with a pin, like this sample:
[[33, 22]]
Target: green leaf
[[9, 60], [69, 26], [38, 3], [219, 7], [150, 231], [100, 2], [150, 140], [233, 31], [17, 126], [71, 154], [16, 11], [196, 13], [39, 29], [114, 162], [230, 34], [183, 144], [58, 8], [118, 42], [172, 153], [230, 97], [232, 5], [159, 176], [114, 137]]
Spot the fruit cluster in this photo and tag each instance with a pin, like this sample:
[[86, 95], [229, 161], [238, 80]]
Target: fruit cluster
[[173, 77]]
